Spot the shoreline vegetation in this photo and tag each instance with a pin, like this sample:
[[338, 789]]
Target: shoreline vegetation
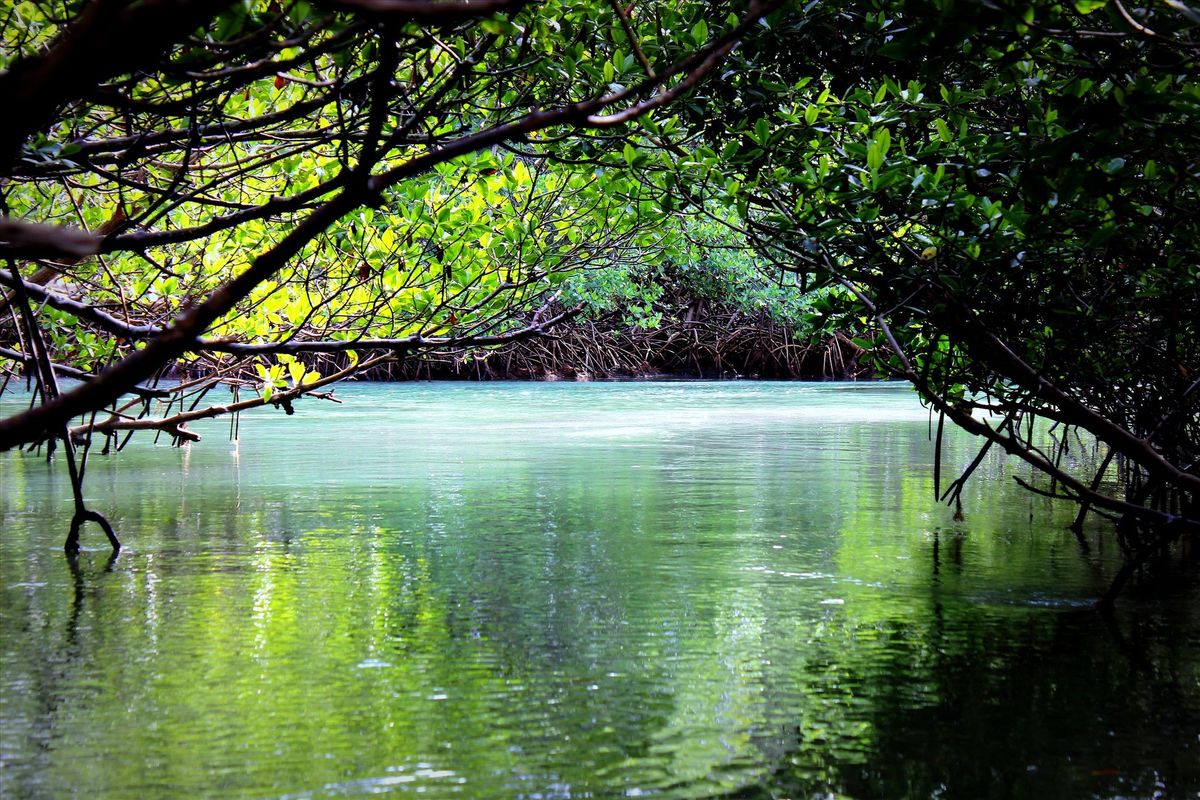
[[710, 341]]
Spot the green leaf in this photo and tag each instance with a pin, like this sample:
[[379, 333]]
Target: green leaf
[[630, 152], [943, 130], [700, 32], [874, 157], [762, 131], [499, 26]]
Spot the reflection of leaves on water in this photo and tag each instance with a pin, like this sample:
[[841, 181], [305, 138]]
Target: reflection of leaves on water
[[357, 619]]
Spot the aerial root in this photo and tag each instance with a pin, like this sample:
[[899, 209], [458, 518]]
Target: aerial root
[[87, 515]]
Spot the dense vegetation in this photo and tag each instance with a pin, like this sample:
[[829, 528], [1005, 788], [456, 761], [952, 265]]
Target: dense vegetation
[[360, 178], [1017, 215], [707, 308], [998, 202]]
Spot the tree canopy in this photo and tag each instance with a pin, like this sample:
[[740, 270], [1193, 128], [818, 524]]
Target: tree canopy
[[226, 186], [317, 178], [999, 200]]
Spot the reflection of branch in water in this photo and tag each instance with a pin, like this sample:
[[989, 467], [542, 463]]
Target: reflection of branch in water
[[53, 674], [1135, 655], [76, 597], [78, 582], [956, 552], [937, 560]]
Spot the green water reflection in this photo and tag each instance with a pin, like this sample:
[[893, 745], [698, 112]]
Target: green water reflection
[[514, 590]]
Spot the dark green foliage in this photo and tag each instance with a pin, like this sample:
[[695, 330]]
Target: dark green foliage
[[707, 261], [1012, 193]]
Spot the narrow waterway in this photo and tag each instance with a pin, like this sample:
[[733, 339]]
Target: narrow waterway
[[578, 590]]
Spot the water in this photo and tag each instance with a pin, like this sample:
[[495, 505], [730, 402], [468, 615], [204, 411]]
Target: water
[[552, 591]]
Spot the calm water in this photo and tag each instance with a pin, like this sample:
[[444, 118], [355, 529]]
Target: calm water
[[552, 591]]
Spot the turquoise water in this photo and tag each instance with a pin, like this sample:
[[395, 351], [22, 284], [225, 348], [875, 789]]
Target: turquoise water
[[578, 590]]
